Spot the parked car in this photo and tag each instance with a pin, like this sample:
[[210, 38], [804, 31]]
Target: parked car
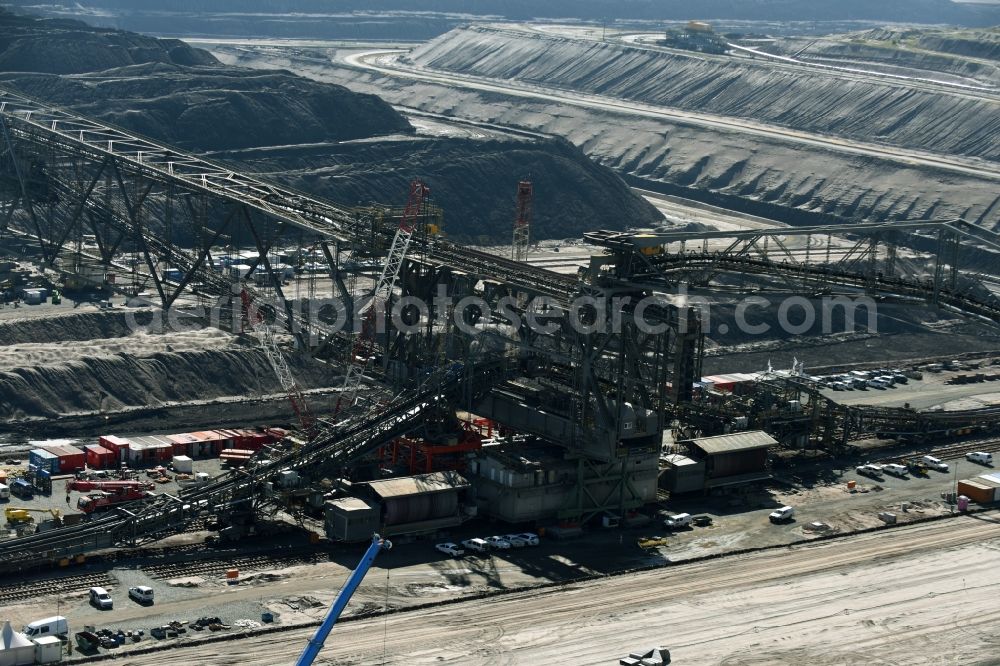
[[530, 538], [702, 521], [781, 515], [515, 540], [677, 521], [980, 457], [877, 384], [498, 542], [141, 593], [895, 469], [99, 598], [935, 463], [871, 471], [450, 548], [477, 544], [23, 489]]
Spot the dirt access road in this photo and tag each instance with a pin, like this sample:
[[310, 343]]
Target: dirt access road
[[923, 594]]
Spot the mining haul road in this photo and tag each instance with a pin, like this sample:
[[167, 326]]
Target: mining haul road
[[919, 594]]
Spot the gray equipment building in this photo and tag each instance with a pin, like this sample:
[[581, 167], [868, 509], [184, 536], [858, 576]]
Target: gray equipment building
[[521, 484], [403, 505], [733, 459]]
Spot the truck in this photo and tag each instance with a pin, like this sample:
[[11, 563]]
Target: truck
[[100, 500], [108, 486]]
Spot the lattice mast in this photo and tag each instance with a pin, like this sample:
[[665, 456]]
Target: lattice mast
[[269, 343], [364, 346], [522, 224]]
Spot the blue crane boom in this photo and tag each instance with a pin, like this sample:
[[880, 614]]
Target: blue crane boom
[[340, 603]]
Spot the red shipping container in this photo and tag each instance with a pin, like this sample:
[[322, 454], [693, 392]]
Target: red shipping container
[[213, 441], [229, 438], [114, 444], [99, 457], [246, 439], [70, 458], [182, 443]]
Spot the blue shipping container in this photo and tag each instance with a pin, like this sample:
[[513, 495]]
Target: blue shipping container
[[42, 459]]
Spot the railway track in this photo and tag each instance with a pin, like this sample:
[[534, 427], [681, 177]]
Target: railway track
[[953, 450], [221, 564], [32, 589]]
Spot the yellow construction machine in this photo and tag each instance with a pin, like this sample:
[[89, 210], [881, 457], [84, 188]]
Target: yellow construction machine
[[17, 515]]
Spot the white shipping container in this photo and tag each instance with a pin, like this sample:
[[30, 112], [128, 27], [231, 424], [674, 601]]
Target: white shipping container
[[48, 650], [183, 464]]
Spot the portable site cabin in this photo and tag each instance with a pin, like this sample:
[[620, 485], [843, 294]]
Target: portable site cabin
[[99, 457], [70, 458]]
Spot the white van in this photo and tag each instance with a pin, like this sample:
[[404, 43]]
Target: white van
[[4, 491], [478, 545], [100, 598], [980, 457], [50, 626]]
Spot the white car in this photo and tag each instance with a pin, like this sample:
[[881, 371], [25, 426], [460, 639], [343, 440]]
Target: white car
[[141, 593], [476, 544], [515, 540], [895, 469], [872, 471], [450, 548], [781, 515], [498, 542], [935, 463], [530, 538], [677, 521]]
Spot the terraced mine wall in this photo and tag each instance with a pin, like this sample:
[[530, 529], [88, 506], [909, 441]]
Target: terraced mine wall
[[816, 101]]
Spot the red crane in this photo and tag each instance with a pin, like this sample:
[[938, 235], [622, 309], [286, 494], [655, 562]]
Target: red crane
[[522, 225]]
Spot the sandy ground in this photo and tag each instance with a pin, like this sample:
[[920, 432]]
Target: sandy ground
[[916, 595], [49, 354]]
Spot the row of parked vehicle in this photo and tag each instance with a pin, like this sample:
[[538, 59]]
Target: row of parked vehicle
[[919, 465], [496, 542], [865, 379], [101, 599]]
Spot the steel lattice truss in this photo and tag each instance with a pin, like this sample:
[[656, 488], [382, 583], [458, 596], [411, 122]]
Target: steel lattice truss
[[864, 256]]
